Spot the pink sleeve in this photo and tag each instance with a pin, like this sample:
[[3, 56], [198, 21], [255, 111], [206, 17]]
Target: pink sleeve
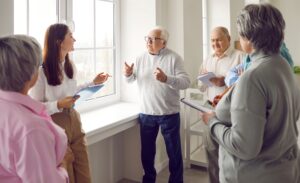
[[35, 158]]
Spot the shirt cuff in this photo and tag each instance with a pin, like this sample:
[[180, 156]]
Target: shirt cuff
[[214, 122], [52, 107], [130, 78], [63, 173], [170, 80]]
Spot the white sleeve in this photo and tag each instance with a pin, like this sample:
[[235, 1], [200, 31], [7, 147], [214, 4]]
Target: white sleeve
[[38, 92], [181, 79]]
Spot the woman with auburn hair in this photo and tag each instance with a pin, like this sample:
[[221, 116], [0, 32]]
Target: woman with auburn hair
[[56, 87]]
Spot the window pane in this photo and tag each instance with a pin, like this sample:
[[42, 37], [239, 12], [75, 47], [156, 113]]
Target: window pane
[[41, 15], [83, 16], [104, 23], [94, 48], [87, 70], [83, 59], [105, 63]]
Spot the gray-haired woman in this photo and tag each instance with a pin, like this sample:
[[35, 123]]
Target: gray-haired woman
[[32, 146], [255, 122]]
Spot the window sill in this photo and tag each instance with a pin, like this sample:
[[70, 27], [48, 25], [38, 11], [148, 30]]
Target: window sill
[[102, 123]]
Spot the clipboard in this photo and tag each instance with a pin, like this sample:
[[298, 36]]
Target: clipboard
[[198, 105]]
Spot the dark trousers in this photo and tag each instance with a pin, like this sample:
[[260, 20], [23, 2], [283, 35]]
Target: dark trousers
[[170, 129]]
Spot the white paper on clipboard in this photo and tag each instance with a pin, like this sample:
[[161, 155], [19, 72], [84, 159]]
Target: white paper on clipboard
[[205, 78], [198, 105]]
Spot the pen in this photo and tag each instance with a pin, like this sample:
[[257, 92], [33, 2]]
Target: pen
[[76, 97]]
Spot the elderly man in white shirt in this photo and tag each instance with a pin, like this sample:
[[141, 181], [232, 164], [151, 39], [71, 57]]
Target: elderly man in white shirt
[[220, 62]]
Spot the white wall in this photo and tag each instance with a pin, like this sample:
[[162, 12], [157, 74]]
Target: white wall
[[291, 14], [132, 167], [172, 19], [6, 17], [106, 159], [235, 7], [218, 15], [117, 157], [252, 1], [192, 37], [137, 18]]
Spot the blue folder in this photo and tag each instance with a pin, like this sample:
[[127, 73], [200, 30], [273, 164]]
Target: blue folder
[[87, 92]]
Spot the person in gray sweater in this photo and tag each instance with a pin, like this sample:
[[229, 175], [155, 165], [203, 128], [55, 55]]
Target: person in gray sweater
[[160, 75], [255, 122]]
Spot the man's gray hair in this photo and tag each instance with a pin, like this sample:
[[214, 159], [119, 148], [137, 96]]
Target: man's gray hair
[[263, 25], [164, 34], [224, 30], [20, 57]]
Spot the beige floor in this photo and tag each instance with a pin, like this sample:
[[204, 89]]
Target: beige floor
[[191, 175]]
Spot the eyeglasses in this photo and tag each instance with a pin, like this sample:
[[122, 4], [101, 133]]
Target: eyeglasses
[[152, 39]]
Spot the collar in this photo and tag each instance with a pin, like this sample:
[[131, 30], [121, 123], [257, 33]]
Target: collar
[[24, 100], [161, 51], [258, 55], [225, 54]]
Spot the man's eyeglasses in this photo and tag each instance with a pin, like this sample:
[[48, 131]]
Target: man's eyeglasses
[[152, 39]]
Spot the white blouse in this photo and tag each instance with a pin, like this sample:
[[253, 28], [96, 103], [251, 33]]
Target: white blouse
[[49, 94]]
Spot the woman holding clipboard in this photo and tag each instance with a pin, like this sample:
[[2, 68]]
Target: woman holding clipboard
[[56, 87]]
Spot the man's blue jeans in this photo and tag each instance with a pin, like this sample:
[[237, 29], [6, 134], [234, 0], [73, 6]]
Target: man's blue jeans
[[170, 129]]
